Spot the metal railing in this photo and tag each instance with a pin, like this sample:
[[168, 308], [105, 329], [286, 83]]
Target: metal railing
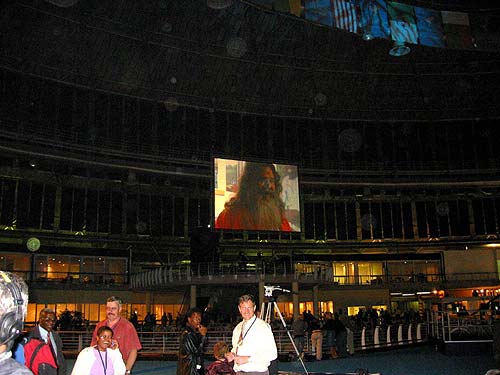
[[287, 272], [452, 326], [166, 343]]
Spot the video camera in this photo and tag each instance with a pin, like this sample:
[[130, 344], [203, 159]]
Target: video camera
[[272, 291]]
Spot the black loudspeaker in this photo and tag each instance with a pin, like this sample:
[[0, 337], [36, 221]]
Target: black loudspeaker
[[204, 246], [496, 342], [11, 323]]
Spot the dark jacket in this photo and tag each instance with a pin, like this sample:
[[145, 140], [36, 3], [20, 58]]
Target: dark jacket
[[37, 338], [220, 367], [191, 348]]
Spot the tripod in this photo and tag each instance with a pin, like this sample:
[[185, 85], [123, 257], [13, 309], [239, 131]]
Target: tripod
[[265, 314]]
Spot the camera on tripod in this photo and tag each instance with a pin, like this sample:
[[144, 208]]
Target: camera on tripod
[[273, 291]]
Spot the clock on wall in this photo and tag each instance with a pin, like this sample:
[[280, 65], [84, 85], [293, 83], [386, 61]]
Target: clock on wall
[[33, 244]]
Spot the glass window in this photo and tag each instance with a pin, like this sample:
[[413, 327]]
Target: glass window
[[15, 263]]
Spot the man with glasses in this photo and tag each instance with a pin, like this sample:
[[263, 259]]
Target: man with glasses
[[253, 341], [124, 332]]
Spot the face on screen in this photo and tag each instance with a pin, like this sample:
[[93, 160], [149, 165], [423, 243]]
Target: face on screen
[[267, 183], [256, 196]]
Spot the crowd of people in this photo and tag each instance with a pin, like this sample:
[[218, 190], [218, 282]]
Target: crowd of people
[[113, 350], [115, 343]]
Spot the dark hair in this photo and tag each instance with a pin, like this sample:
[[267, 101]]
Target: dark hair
[[248, 188], [190, 313], [100, 330], [193, 310]]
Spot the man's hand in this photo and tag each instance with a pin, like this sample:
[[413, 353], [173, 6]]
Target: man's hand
[[202, 330], [241, 359]]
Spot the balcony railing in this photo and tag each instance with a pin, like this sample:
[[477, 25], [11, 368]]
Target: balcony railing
[[467, 326], [229, 273], [160, 343], [285, 272]]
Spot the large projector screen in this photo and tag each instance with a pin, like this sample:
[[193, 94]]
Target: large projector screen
[[256, 196]]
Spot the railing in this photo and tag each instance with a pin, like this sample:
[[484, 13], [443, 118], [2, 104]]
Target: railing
[[167, 342], [208, 273], [450, 326]]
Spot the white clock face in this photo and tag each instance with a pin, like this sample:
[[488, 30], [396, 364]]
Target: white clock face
[[33, 244]]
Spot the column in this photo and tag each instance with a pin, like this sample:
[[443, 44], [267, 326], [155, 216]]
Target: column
[[315, 311], [192, 302], [295, 299]]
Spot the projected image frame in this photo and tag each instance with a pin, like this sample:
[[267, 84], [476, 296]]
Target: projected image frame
[[245, 210]]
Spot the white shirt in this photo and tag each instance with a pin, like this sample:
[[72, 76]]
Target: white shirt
[[44, 334], [258, 343]]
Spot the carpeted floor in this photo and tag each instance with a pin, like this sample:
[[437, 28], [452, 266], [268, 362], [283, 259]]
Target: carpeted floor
[[422, 360]]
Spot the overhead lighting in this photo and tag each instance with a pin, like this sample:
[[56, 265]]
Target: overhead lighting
[[399, 49], [219, 4], [367, 36]]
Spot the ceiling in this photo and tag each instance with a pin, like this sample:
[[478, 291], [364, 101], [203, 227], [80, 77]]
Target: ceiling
[[243, 58]]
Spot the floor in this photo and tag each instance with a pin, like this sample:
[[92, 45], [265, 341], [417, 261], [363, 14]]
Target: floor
[[424, 360]]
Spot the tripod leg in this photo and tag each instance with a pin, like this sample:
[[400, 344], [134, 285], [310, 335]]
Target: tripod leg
[[290, 336]]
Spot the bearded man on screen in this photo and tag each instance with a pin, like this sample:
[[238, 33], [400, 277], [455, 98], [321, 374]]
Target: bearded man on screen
[[257, 204]]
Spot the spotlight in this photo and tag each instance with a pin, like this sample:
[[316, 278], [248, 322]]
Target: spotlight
[[399, 49], [33, 163]]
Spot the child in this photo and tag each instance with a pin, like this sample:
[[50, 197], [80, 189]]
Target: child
[[220, 366]]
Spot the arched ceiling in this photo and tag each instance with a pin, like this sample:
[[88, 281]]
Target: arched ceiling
[[243, 58]]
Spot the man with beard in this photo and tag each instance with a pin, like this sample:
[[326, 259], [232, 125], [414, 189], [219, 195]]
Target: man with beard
[[258, 204], [124, 332]]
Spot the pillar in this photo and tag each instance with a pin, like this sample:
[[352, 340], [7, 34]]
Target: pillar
[[295, 299], [192, 302], [315, 311]]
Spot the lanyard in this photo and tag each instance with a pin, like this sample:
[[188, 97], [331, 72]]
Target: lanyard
[[242, 336], [105, 361]]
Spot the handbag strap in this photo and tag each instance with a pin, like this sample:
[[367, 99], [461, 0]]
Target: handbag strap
[[35, 352]]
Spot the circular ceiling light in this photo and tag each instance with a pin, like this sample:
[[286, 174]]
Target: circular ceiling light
[[33, 244], [320, 99], [171, 104], [236, 47], [399, 49], [219, 4]]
